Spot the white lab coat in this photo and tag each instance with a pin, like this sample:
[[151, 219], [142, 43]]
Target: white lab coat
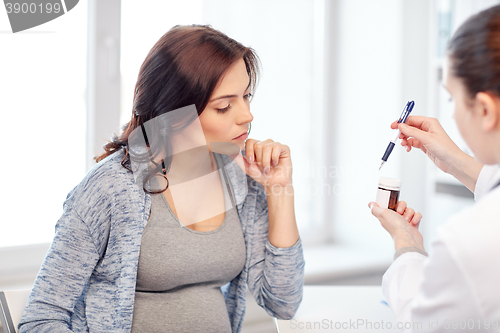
[[458, 285]]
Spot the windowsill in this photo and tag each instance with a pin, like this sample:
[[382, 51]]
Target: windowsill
[[323, 262], [326, 263], [20, 265]]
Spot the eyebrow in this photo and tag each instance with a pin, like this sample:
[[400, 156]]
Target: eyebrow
[[228, 96], [222, 97]]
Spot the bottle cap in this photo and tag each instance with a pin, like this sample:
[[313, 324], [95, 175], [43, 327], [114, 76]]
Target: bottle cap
[[389, 183]]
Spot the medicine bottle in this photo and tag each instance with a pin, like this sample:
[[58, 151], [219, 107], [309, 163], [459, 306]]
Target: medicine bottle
[[388, 192]]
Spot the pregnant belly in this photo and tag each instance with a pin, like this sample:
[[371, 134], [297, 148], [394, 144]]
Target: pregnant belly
[[193, 309]]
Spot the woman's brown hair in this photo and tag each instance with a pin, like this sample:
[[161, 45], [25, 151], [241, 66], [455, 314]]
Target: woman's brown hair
[[474, 51], [183, 68]]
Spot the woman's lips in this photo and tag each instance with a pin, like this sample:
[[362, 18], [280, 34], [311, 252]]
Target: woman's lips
[[241, 137]]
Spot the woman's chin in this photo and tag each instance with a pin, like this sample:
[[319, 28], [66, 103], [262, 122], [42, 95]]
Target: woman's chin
[[227, 148]]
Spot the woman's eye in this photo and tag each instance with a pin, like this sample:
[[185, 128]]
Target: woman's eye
[[224, 109], [248, 96]]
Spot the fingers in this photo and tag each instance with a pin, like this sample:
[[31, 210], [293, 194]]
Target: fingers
[[426, 124], [415, 132], [249, 150], [410, 131], [408, 213], [420, 122], [400, 207], [388, 218], [275, 155], [415, 221], [266, 153], [264, 158], [376, 210], [412, 142], [254, 150]]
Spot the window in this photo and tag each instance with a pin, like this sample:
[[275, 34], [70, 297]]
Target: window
[[43, 123], [287, 36]]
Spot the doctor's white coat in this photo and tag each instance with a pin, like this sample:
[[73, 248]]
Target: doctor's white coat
[[456, 288]]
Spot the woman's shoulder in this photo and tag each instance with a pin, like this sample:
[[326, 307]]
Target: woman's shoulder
[[473, 231], [107, 196], [481, 214], [105, 181]]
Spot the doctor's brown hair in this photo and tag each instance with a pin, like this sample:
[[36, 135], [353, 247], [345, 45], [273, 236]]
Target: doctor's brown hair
[[183, 68], [474, 51]]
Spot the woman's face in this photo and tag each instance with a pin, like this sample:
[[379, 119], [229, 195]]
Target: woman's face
[[467, 115], [227, 114]]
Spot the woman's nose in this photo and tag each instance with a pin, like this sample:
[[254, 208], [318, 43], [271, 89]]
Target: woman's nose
[[244, 114]]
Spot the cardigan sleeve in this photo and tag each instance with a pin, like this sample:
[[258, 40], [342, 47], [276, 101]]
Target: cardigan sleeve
[[276, 275], [63, 277]]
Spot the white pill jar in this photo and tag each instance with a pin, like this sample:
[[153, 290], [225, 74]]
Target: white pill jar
[[388, 192]]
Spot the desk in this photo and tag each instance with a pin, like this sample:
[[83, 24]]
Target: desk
[[340, 309]]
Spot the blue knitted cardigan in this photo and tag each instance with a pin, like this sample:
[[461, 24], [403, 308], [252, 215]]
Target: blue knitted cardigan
[[88, 278]]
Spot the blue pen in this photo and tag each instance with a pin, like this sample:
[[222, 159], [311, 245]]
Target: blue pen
[[402, 119]]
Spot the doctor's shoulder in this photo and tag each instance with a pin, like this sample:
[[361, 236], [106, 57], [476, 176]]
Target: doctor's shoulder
[[472, 233]]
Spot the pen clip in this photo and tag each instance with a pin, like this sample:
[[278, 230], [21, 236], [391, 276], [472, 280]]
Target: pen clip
[[406, 112], [403, 114]]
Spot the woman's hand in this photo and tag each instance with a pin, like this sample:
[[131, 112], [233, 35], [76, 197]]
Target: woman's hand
[[428, 135], [268, 162], [401, 224]]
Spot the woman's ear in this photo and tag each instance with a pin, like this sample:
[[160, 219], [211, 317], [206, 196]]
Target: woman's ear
[[488, 108]]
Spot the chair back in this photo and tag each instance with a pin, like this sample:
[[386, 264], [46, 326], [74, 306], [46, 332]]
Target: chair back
[[12, 304]]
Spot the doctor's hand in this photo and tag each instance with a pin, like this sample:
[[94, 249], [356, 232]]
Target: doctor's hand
[[401, 224], [428, 135], [267, 162]]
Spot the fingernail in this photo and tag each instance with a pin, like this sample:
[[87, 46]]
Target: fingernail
[[370, 205], [266, 171], [250, 159], [275, 163]]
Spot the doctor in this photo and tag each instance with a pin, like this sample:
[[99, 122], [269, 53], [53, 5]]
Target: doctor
[[456, 286]]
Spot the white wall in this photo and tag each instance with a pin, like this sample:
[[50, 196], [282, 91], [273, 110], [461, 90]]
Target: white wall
[[287, 103], [370, 51]]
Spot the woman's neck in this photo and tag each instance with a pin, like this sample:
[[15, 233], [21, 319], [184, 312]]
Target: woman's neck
[[191, 164]]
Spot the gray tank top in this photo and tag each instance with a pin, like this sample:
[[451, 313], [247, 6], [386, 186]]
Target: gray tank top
[[181, 270]]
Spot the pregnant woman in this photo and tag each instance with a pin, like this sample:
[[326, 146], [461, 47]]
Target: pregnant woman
[[172, 247]]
